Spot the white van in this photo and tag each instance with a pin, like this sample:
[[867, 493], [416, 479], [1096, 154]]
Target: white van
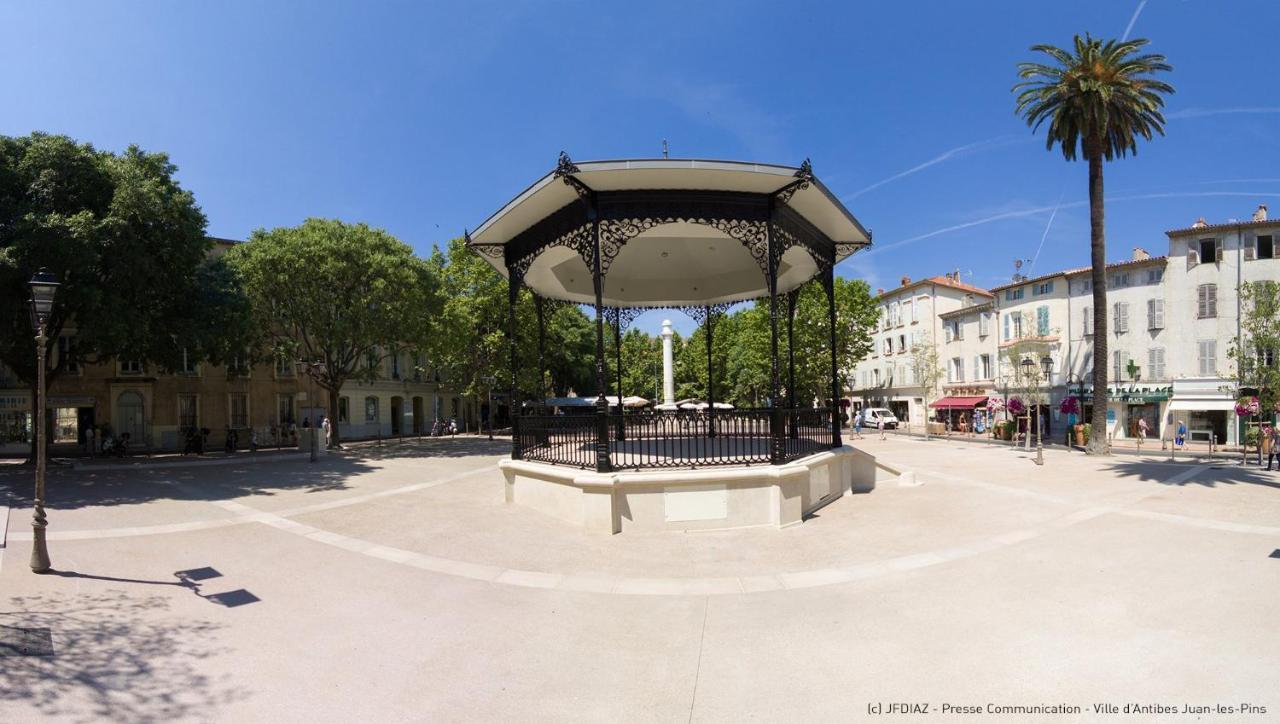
[[872, 416]]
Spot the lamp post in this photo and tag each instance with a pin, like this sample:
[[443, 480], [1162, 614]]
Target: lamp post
[[489, 381], [1029, 371], [44, 285], [312, 369]]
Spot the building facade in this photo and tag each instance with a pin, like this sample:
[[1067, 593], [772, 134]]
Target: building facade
[[394, 396], [910, 316], [1172, 321]]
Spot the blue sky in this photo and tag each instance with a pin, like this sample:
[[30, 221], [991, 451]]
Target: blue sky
[[423, 118]]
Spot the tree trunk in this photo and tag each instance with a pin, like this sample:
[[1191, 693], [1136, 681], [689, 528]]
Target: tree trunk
[[1098, 257]]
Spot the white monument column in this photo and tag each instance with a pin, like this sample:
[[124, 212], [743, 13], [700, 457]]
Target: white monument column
[[668, 365]]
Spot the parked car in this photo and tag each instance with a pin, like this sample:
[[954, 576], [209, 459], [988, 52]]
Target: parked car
[[873, 415]]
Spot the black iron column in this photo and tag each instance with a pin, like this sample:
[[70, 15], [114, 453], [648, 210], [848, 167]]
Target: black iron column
[[792, 420], [617, 342], [603, 462], [539, 305], [711, 385], [829, 284], [777, 450], [513, 295]]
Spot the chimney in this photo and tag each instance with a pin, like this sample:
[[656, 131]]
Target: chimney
[[879, 292], [1140, 254], [1200, 223], [1261, 213], [905, 280]]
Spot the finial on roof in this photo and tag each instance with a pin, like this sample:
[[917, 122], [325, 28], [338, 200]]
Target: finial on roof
[[1200, 223], [806, 170]]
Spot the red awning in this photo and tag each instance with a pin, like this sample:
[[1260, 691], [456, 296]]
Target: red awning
[[958, 403]]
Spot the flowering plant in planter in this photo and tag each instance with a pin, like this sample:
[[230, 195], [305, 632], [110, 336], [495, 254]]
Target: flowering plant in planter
[[1069, 406], [994, 404], [1248, 406], [1016, 407]]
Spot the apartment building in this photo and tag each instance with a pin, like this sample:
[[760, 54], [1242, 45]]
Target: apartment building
[[395, 396], [1172, 320], [910, 315]]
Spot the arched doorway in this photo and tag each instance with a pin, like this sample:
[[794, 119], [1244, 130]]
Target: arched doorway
[[131, 417]]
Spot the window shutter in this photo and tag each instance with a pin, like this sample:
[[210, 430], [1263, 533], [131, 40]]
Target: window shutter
[[1193, 257], [1213, 300], [1251, 250], [1006, 327], [1217, 251], [1088, 321]]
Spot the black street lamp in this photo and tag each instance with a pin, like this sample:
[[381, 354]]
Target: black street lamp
[[44, 286]]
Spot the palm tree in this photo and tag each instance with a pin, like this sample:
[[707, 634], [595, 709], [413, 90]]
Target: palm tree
[[1097, 100]]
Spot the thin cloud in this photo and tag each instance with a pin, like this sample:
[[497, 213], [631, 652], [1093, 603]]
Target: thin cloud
[[1205, 112], [958, 151], [1073, 204], [1240, 181], [1129, 28]]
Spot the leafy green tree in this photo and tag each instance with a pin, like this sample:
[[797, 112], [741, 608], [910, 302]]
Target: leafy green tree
[[1098, 99], [471, 339], [1256, 355], [128, 245], [344, 294], [926, 366]]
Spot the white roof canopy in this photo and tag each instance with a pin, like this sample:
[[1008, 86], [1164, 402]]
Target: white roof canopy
[[672, 232]]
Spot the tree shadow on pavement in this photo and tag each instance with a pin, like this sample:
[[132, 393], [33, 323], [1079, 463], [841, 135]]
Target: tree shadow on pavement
[[1215, 476], [70, 489], [116, 657]]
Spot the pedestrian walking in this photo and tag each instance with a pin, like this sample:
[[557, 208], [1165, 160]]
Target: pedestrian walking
[[1272, 436], [857, 425], [880, 424], [253, 439], [91, 437], [1143, 427], [1181, 439]]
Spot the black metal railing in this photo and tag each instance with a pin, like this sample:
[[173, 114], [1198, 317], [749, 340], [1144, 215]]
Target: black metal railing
[[808, 431], [690, 438], [675, 439], [559, 439]]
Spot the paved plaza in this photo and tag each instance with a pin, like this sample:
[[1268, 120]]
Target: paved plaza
[[394, 584]]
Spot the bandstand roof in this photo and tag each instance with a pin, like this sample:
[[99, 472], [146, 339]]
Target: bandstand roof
[[672, 231]]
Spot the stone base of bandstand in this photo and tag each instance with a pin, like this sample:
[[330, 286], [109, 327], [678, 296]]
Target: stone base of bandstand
[[690, 499]]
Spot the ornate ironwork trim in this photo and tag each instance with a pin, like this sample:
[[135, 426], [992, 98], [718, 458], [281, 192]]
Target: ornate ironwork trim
[[565, 168], [804, 176]]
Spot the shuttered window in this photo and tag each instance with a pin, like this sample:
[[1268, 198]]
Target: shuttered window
[[1155, 363], [1088, 321], [1121, 317], [1155, 314], [1042, 321], [1207, 301], [1208, 357]]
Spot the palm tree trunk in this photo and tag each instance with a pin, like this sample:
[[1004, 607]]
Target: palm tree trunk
[[1098, 258]]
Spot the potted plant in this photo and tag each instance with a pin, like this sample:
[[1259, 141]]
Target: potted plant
[[1087, 430]]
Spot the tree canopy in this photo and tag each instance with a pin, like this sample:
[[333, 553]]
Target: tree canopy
[[128, 245], [344, 294]]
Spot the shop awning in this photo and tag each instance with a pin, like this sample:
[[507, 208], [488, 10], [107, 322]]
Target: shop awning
[[958, 403], [1202, 405]]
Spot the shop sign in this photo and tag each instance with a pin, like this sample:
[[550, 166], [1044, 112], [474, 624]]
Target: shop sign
[[1133, 394], [68, 401]]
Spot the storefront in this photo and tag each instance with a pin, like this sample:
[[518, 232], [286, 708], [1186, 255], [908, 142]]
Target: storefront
[[1207, 407], [15, 422], [1129, 404]]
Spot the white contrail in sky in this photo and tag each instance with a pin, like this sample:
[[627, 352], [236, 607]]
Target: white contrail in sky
[[1129, 28], [1069, 205], [945, 155], [1202, 112], [1045, 235]]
